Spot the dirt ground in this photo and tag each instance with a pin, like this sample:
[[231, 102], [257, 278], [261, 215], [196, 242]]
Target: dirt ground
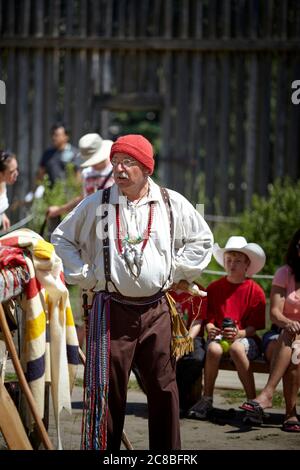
[[225, 431]]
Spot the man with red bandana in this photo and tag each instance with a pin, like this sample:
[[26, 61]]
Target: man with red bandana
[[130, 244]]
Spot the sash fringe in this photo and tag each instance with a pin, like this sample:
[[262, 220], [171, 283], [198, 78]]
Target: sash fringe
[[96, 376], [181, 343]]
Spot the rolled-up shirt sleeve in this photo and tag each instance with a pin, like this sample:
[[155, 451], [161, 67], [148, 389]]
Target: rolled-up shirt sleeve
[[193, 242]]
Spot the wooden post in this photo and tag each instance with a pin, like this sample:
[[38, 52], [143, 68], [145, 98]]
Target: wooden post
[[23, 382]]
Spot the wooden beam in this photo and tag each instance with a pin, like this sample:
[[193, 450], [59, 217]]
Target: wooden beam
[[132, 101], [155, 44], [11, 425]]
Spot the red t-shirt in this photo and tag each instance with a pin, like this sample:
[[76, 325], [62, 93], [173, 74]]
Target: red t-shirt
[[245, 303], [190, 307]]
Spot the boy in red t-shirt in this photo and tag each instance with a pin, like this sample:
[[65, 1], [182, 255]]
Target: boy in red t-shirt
[[192, 309], [243, 301]]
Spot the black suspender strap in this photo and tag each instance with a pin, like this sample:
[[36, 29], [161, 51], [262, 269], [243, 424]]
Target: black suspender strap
[[166, 199], [105, 180], [106, 253]]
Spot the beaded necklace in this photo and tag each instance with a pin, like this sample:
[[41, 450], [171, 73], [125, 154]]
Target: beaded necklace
[[127, 247]]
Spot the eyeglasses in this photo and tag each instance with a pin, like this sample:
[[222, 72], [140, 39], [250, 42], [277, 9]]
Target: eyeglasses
[[126, 163]]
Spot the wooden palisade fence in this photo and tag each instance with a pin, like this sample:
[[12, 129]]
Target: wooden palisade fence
[[219, 73]]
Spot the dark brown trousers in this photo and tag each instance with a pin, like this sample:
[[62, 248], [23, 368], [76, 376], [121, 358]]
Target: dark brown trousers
[[142, 335]]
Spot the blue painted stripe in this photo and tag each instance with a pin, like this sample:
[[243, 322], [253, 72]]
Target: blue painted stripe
[[72, 354], [35, 369]]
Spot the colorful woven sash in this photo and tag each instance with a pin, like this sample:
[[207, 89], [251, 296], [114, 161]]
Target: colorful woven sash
[[96, 376]]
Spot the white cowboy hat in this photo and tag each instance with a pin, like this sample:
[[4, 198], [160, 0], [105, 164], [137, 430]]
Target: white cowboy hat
[[254, 252], [94, 149]]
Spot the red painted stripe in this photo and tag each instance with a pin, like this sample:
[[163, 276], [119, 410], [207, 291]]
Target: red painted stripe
[[12, 241], [33, 288]]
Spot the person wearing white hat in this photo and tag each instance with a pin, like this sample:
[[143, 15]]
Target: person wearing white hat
[[96, 174], [240, 299]]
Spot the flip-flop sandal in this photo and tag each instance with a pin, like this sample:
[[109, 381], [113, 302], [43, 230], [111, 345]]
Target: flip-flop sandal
[[250, 405], [254, 412], [291, 426]]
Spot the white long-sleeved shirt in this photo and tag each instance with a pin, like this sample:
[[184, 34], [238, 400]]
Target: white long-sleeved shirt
[[78, 241]]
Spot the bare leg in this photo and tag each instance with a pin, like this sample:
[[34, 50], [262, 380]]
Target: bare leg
[[211, 369], [281, 362], [242, 364], [291, 385], [270, 352]]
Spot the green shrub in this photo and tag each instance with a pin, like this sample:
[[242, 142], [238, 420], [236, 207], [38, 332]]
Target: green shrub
[[61, 192], [272, 221]]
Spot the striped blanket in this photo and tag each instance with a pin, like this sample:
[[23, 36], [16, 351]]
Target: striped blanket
[[46, 305]]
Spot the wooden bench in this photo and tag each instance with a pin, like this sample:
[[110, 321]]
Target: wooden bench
[[258, 365]]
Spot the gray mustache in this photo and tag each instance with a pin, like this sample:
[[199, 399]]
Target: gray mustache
[[122, 174]]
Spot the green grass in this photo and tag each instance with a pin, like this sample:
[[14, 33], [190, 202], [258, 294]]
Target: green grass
[[133, 385], [238, 396], [11, 377]]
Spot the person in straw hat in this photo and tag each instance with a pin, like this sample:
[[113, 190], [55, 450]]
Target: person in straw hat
[[241, 300], [130, 243]]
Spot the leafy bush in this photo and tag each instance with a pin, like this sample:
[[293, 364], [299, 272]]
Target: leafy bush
[[272, 221], [61, 192]]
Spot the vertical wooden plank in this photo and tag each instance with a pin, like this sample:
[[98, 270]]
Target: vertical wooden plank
[[153, 58], [224, 134], [11, 26], [2, 105], [1, 18], [165, 167], [38, 94], [238, 161], [196, 108], [24, 18], [69, 69], [180, 154], [251, 142], [210, 161], [23, 122], [142, 31], [264, 97], [106, 71], [293, 127], [11, 121], [51, 72], [225, 105], [79, 96], [130, 56], [251, 129], [280, 117]]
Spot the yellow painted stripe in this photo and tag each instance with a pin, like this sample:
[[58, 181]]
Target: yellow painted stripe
[[43, 249], [69, 317], [34, 328]]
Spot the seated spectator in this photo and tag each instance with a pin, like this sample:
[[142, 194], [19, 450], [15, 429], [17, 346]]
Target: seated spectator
[[8, 175], [280, 342], [243, 301], [192, 309]]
